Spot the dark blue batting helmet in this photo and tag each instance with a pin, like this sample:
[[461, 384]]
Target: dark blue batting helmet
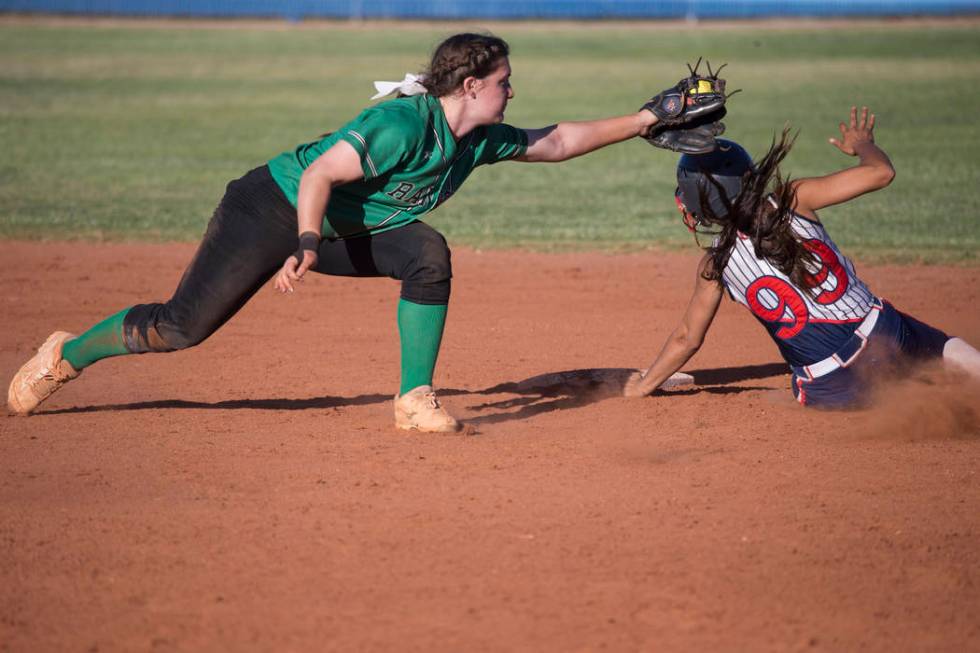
[[727, 164]]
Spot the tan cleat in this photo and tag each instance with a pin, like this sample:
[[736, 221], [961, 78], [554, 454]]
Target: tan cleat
[[419, 410], [41, 376]]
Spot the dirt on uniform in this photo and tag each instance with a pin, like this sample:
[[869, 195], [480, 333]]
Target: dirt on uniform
[[251, 494]]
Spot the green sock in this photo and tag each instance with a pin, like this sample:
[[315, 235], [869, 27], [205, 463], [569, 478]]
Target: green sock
[[420, 327], [103, 340]]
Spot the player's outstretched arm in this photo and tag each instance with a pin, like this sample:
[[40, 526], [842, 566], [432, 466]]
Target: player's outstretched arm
[[567, 140], [686, 339], [873, 171], [690, 100]]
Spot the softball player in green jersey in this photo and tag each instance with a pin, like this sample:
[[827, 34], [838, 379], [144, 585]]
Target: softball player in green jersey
[[352, 200]]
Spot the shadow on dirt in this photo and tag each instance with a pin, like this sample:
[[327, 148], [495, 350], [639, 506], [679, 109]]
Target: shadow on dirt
[[724, 375], [577, 388], [535, 395], [231, 404]]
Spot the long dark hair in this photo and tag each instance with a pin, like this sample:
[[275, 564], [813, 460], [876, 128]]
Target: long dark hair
[[461, 56], [762, 210]]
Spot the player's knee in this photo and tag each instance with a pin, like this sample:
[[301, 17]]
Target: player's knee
[[159, 328], [428, 279], [182, 336], [434, 262]]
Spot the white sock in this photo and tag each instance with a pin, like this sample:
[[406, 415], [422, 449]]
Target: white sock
[[961, 354]]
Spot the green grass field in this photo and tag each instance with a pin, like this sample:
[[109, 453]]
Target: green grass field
[[131, 132]]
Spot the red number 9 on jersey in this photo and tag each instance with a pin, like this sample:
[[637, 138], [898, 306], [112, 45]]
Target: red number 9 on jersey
[[787, 297], [829, 263]]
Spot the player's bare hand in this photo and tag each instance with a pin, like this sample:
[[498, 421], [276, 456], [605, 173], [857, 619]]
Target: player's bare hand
[[292, 271], [859, 131], [635, 386]]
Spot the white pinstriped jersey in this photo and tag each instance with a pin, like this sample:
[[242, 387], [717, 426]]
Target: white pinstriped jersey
[[807, 326]]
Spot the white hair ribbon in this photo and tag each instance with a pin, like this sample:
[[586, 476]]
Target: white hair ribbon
[[411, 85]]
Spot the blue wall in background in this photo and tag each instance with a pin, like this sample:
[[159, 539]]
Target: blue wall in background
[[489, 9]]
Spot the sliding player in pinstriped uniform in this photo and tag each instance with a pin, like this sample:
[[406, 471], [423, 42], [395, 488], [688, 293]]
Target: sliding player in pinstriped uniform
[[772, 254]]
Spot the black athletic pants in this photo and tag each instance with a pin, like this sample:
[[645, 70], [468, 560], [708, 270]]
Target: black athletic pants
[[249, 236]]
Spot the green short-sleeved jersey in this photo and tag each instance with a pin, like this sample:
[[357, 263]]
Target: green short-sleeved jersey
[[411, 164]]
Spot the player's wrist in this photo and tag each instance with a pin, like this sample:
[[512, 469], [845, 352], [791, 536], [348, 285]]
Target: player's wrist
[[863, 149], [646, 121], [309, 241]]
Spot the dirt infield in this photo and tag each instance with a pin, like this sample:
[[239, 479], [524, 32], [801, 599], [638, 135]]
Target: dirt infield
[[252, 495]]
